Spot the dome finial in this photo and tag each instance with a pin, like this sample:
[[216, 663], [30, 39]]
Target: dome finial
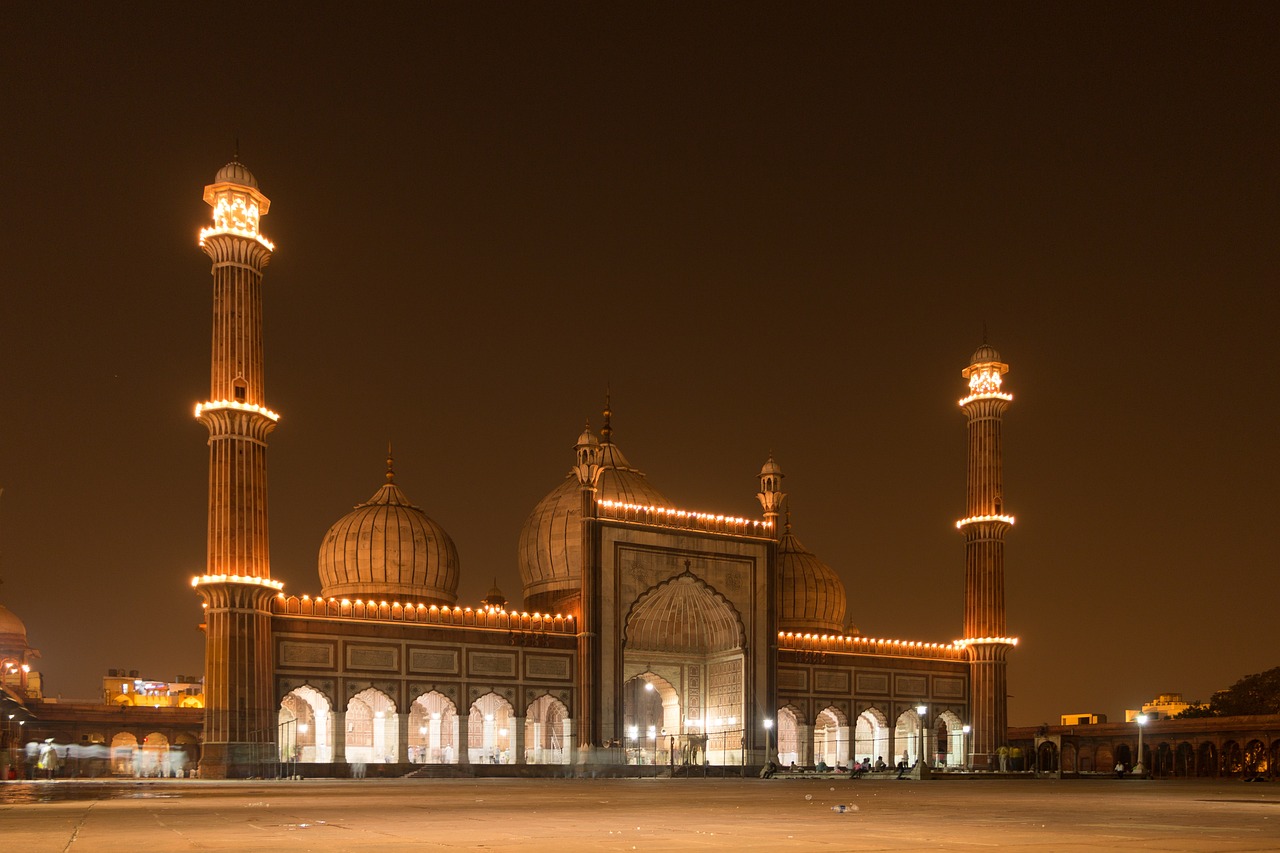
[[391, 473], [788, 525], [606, 431]]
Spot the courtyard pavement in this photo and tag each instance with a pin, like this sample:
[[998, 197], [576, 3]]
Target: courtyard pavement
[[638, 814]]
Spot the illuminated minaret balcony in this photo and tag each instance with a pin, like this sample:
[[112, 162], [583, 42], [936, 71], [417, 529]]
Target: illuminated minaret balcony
[[238, 205]]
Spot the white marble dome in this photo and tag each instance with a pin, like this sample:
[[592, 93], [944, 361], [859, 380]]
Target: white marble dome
[[387, 548], [550, 549], [811, 596]]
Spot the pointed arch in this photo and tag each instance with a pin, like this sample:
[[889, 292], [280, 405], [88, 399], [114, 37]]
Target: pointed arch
[[372, 735], [489, 730], [871, 737], [831, 737], [305, 721], [433, 729], [547, 731]]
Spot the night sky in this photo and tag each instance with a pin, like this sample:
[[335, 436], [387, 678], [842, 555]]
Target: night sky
[[766, 227]]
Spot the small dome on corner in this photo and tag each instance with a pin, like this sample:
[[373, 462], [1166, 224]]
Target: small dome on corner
[[235, 172], [984, 353], [770, 467]]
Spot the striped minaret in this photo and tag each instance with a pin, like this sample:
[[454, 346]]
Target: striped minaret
[[239, 730], [984, 527]]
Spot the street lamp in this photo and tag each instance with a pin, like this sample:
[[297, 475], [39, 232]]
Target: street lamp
[[768, 730], [964, 745], [921, 770], [1138, 769]]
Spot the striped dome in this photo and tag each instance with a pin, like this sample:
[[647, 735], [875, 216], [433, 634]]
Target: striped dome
[[388, 548], [236, 172], [550, 550], [811, 596]]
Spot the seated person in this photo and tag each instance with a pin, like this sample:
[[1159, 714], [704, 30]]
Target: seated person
[[821, 766], [880, 765]]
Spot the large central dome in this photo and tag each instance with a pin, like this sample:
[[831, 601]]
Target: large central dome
[[550, 551], [388, 548]]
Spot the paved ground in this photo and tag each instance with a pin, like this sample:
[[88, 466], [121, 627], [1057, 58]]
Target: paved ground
[[631, 814]]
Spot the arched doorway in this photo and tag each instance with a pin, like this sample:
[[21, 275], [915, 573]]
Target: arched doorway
[[1069, 758], [155, 755], [1207, 760], [651, 719], [949, 737], [1184, 760], [305, 722], [1124, 756], [683, 634], [1255, 758], [124, 749], [547, 729], [372, 729], [906, 738], [1047, 757], [489, 730], [871, 737], [831, 738], [1232, 759], [433, 730]]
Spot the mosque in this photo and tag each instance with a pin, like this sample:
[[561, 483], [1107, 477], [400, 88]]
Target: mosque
[[648, 633]]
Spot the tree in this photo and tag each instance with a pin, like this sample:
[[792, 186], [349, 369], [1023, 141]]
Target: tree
[[1252, 695]]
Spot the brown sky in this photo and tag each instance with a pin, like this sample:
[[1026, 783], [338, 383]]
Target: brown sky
[[766, 226]]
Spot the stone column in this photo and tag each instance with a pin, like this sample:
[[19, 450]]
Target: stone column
[[464, 738], [402, 738], [517, 740], [804, 745], [339, 737]]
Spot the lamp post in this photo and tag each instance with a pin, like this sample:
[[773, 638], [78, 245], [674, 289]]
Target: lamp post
[[921, 770], [964, 745], [768, 730], [1138, 769]]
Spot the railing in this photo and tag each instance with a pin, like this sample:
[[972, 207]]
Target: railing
[[838, 644], [335, 608]]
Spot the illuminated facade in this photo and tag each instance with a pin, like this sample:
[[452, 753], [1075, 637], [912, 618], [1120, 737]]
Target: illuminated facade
[[649, 633]]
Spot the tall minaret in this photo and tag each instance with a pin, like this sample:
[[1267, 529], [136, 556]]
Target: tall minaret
[[587, 467], [237, 588], [984, 527]]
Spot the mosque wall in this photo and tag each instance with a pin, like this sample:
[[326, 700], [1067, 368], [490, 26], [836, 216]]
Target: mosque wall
[[855, 683], [343, 657]]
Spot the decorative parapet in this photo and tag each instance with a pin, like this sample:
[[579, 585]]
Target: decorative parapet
[[684, 519], [839, 644], [423, 614]]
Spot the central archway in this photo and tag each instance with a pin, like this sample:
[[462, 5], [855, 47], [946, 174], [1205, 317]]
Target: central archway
[[685, 641]]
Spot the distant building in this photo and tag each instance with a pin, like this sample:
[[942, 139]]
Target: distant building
[[1199, 747], [1083, 719], [1163, 707], [128, 688]]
